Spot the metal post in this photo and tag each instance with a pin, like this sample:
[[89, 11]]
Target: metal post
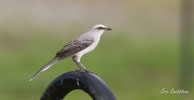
[[187, 44]]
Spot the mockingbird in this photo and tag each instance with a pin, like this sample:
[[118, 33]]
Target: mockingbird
[[77, 48]]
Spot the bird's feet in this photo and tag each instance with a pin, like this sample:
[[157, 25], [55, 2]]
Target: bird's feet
[[83, 70]]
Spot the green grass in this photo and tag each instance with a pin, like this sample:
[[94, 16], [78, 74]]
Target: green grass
[[134, 67], [139, 57]]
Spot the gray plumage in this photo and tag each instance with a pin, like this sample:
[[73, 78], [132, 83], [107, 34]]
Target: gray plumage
[[74, 47], [77, 48]]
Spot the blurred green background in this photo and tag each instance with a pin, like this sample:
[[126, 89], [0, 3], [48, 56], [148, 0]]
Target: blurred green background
[[139, 57]]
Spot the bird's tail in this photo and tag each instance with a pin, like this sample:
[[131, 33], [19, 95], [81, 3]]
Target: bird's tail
[[53, 61]]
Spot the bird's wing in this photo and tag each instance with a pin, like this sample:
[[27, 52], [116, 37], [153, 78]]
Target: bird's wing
[[74, 47], [68, 50]]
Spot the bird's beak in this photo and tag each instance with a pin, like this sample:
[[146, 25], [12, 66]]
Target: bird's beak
[[108, 29]]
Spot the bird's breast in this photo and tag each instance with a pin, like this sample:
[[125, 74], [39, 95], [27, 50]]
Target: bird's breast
[[89, 48]]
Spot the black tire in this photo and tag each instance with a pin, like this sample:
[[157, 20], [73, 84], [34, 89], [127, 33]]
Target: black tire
[[86, 81]]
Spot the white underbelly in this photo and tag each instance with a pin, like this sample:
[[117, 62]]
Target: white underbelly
[[88, 49]]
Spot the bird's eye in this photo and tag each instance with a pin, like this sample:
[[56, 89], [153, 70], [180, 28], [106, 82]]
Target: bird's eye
[[100, 28]]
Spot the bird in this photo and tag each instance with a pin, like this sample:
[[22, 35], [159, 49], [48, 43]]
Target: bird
[[78, 47]]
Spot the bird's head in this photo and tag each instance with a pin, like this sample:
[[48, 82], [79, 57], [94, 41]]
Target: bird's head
[[100, 27]]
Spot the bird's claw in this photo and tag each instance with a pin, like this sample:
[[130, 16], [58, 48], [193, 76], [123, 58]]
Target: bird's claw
[[83, 70]]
